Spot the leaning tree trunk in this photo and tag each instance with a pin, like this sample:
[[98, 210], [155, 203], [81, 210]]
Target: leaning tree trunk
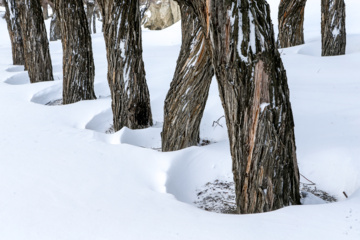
[[36, 44], [333, 30], [255, 95], [14, 27], [126, 72], [186, 99], [55, 28], [291, 23], [78, 61]]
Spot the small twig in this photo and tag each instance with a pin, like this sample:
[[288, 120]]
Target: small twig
[[345, 194], [312, 183], [217, 122]]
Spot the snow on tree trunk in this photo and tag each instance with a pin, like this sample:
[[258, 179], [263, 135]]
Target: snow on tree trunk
[[55, 28], [186, 99], [255, 95], [126, 72], [78, 62], [14, 27], [254, 92], [291, 23], [36, 44], [333, 30]]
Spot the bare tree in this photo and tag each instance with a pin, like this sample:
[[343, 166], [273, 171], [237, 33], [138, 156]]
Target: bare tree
[[78, 62], [36, 44], [255, 95], [333, 29], [126, 72], [12, 17], [186, 99], [291, 23]]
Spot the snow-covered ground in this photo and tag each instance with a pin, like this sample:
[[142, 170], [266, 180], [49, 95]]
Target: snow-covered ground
[[63, 177]]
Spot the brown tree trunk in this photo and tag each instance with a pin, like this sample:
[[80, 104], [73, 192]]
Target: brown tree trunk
[[78, 62], [14, 27], [333, 30], [255, 95], [126, 72], [186, 99], [291, 23], [36, 44], [55, 28]]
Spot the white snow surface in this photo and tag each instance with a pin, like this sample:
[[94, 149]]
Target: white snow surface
[[62, 177]]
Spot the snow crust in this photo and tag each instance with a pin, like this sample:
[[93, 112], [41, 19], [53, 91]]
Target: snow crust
[[63, 177]]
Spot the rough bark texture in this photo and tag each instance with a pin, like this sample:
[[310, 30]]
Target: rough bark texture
[[44, 5], [255, 95], [186, 99], [36, 44], [14, 27], [126, 72], [55, 28], [333, 27], [90, 6], [291, 23], [78, 62]]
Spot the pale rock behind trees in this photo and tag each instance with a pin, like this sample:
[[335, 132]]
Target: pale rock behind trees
[[160, 14]]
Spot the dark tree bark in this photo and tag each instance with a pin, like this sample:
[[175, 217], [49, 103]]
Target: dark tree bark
[[186, 99], [36, 44], [333, 30], [14, 27], [78, 62], [291, 23], [126, 72], [44, 5], [255, 95], [90, 6], [55, 28]]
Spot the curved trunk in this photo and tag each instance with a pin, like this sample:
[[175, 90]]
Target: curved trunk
[[78, 62], [333, 30], [36, 44], [291, 23], [186, 99], [126, 72], [14, 27]]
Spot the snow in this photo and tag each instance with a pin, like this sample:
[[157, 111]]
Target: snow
[[63, 177]]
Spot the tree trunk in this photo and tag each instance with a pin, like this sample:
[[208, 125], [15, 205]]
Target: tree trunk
[[126, 72], [78, 62], [90, 5], [186, 99], [36, 44], [333, 30], [255, 95], [55, 28], [44, 5], [291, 23], [14, 26]]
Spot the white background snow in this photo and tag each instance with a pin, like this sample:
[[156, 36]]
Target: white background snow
[[62, 177]]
